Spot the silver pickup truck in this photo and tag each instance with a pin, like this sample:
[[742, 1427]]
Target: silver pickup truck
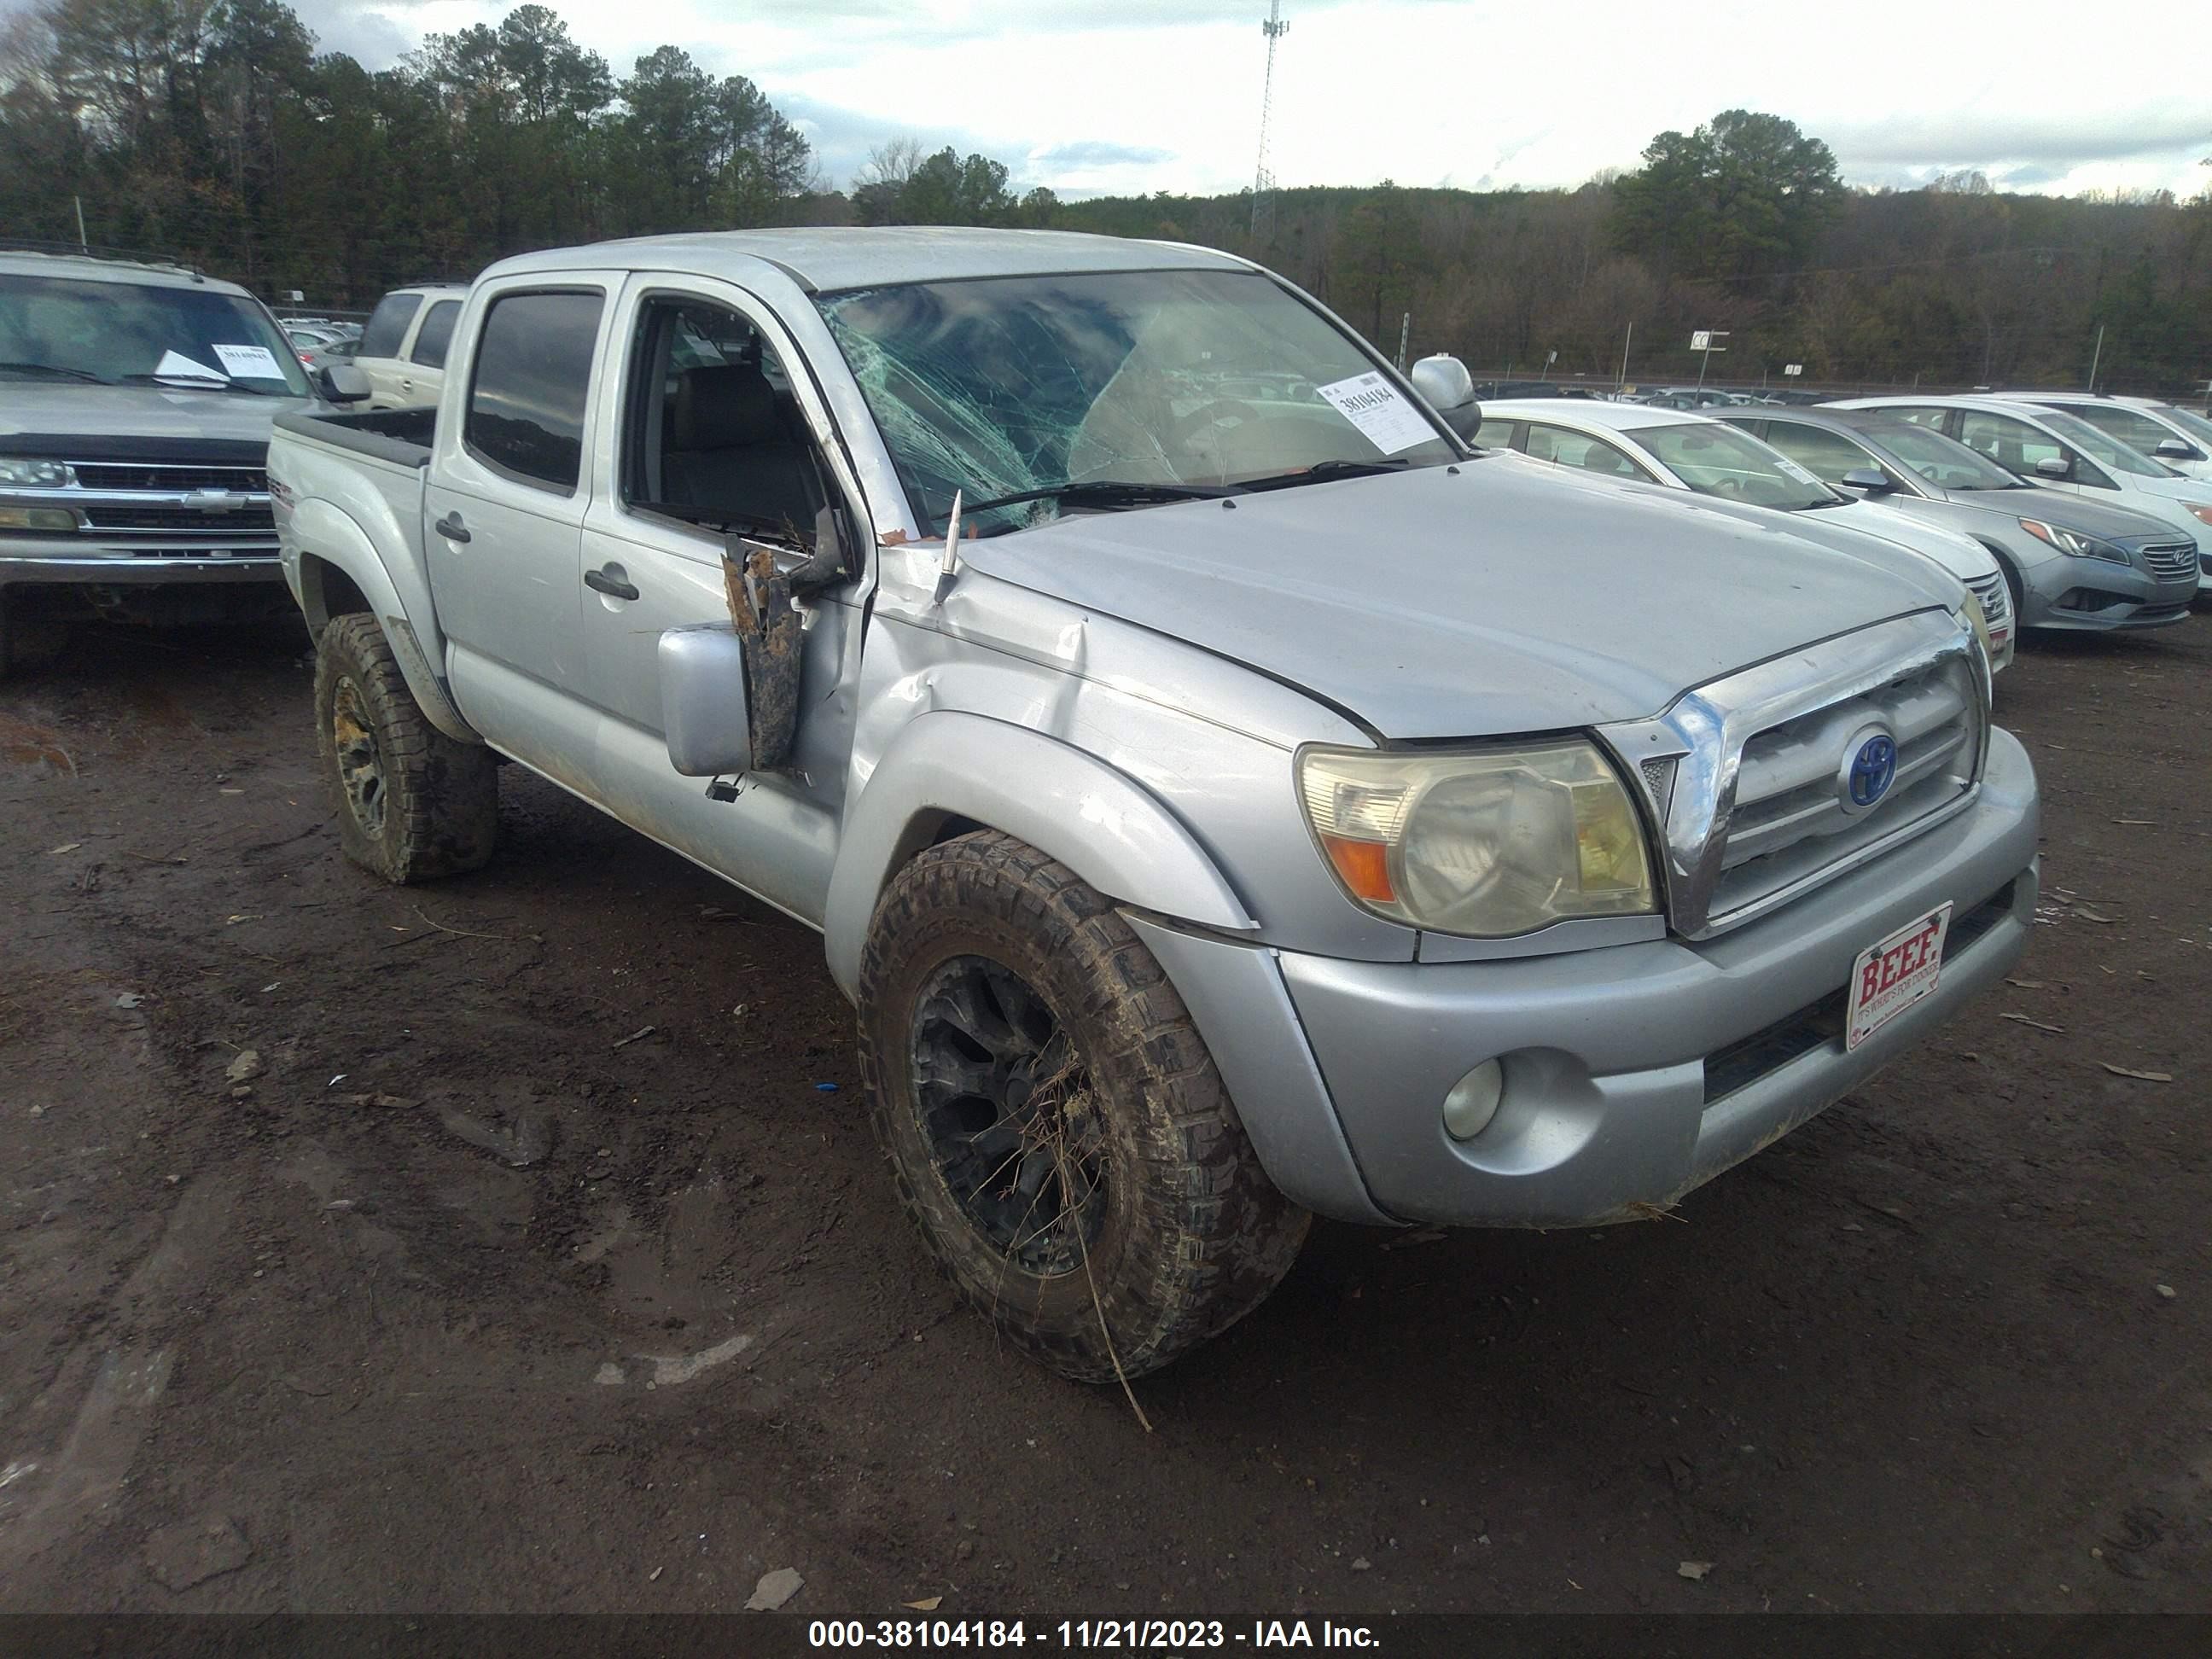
[[1226, 796]]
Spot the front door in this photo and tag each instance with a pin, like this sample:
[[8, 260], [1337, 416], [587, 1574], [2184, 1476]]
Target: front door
[[2021, 447], [713, 437], [504, 515]]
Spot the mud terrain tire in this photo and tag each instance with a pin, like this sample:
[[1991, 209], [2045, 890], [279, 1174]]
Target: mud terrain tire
[[412, 803], [1005, 1005]]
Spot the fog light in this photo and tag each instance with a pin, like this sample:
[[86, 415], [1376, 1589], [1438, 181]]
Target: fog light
[[36, 517], [1474, 1100]]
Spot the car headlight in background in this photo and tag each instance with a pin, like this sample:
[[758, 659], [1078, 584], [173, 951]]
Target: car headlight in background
[[1979, 620], [1485, 842], [2203, 514], [27, 472], [2074, 542]]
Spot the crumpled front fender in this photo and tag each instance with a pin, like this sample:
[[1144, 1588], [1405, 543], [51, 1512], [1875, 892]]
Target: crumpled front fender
[[1106, 828]]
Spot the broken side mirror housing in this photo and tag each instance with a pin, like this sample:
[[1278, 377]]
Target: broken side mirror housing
[[1443, 382], [341, 383], [704, 714]]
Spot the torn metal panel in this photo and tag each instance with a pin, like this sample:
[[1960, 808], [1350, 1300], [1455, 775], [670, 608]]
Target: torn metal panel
[[761, 612]]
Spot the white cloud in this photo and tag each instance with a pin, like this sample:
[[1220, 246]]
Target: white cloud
[[1423, 91]]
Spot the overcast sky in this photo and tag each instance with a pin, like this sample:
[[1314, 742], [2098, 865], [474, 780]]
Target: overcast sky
[[1138, 96]]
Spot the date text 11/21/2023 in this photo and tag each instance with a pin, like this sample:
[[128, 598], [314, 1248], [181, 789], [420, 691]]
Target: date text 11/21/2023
[[1148, 1635]]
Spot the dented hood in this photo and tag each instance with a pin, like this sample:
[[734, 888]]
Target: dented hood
[[1509, 596]]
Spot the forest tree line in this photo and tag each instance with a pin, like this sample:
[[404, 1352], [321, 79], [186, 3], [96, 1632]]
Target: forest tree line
[[214, 131]]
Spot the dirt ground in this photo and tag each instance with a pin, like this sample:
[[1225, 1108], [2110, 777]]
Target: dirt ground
[[536, 1263]]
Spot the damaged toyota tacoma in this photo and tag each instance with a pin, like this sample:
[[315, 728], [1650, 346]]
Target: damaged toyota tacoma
[[1226, 796]]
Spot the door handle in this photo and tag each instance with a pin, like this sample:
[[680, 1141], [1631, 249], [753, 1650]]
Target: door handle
[[451, 528], [601, 582]]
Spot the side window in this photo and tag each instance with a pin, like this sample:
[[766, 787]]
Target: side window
[[435, 334], [2012, 445], [1931, 419], [1576, 449], [2138, 432], [1827, 455], [387, 325], [1494, 435], [712, 434], [533, 382]]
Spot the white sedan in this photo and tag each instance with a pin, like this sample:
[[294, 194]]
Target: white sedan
[[1678, 450]]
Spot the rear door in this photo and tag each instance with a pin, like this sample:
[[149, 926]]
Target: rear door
[[504, 508], [382, 341], [422, 376]]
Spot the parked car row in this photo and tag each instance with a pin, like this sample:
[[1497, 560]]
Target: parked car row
[[1645, 444], [2039, 492]]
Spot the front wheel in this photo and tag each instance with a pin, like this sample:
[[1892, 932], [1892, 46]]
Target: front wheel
[[1056, 1126]]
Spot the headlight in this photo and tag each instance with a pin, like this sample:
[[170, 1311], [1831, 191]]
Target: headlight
[[24, 471], [37, 518], [2203, 514], [2074, 542], [1486, 842], [1980, 621]]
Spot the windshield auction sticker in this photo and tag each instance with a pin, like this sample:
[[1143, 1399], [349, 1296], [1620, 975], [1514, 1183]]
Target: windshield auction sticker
[[176, 363], [249, 362], [1379, 410]]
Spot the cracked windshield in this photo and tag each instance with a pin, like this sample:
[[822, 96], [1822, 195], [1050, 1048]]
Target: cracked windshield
[[1035, 395]]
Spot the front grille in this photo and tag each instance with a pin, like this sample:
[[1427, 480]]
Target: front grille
[[131, 515], [2171, 558], [1771, 1047], [1789, 818], [126, 475], [1750, 775], [1996, 604]]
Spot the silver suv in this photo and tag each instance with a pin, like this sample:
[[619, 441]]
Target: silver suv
[[137, 400]]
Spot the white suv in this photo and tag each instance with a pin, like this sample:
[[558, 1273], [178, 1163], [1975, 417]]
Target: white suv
[[2173, 437], [402, 347]]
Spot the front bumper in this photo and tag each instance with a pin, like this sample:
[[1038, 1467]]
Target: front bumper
[[1633, 1073], [26, 562], [2097, 596]]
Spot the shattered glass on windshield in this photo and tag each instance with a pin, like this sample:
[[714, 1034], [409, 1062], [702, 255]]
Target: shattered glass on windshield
[[1008, 386]]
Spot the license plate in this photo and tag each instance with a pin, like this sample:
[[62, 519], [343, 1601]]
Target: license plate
[[1891, 976]]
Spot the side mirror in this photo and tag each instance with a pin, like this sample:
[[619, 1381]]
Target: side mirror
[[1871, 479], [2172, 449], [704, 714], [341, 383], [2054, 466], [1443, 382]]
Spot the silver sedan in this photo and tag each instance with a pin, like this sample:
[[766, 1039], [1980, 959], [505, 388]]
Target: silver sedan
[[2071, 561]]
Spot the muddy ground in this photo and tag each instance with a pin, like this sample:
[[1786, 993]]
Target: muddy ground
[[533, 1265]]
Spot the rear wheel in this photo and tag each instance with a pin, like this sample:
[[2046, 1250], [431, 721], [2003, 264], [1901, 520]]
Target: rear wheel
[[1056, 1127], [412, 803]]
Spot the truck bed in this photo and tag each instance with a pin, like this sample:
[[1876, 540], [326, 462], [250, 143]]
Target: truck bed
[[402, 436]]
